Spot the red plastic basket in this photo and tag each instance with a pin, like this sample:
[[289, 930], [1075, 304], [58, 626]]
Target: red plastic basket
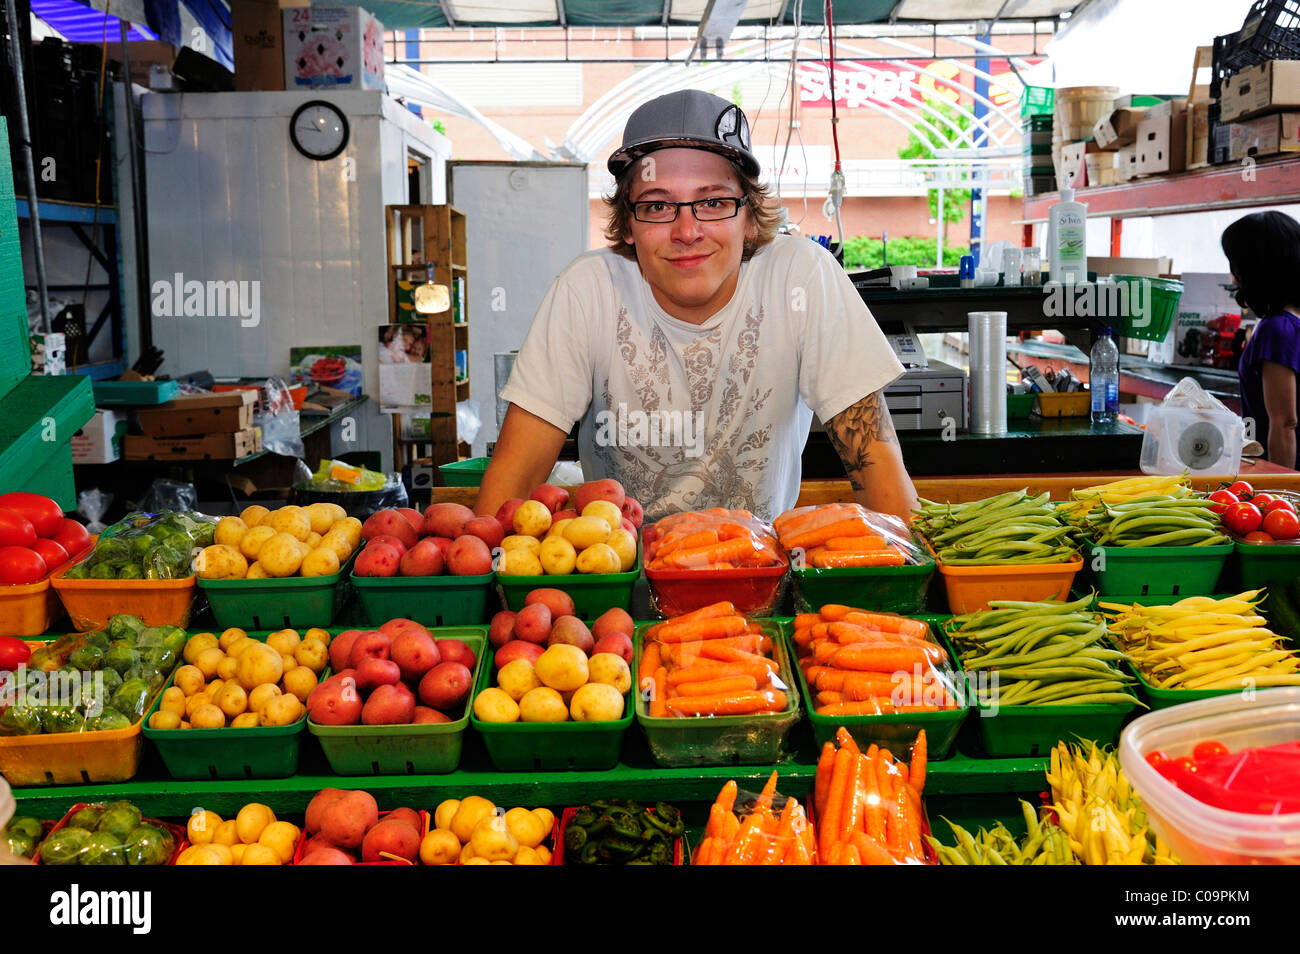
[[178, 832], [755, 591], [557, 858]]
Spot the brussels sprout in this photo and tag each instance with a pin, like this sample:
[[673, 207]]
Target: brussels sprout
[[112, 680], [89, 658], [131, 697], [26, 825], [64, 846], [123, 626], [147, 845], [87, 818], [20, 720], [57, 719], [175, 638], [149, 636], [130, 571], [141, 544], [160, 658], [114, 552], [167, 563], [205, 534], [119, 818], [104, 848], [18, 843], [121, 658], [45, 659], [79, 572], [104, 571], [109, 720], [98, 638]]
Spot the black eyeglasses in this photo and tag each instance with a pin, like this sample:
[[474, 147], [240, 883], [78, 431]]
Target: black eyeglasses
[[706, 210]]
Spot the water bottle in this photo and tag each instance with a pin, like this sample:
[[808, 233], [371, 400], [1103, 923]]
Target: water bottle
[[1103, 376]]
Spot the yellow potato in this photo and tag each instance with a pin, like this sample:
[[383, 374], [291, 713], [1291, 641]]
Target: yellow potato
[[252, 821], [313, 654], [229, 637], [254, 515], [200, 855], [227, 668], [547, 817], [562, 667], [214, 687], [320, 516], [173, 700], [528, 829], [223, 853], [208, 716], [258, 665], [517, 678], [542, 705], [519, 542], [611, 670], [232, 700], [219, 562], [226, 834], [557, 556], [320, 562], [300, 681], [280, 556], [246, 720], [284, 641], [284, 709], [544, 854], [533, 518], [195, 702], [321, 635], [338, 544], [624, 545], [600, 558], [492, 840], [313, 540], [528, 856], [259, 697], [290, 520], [197, 644], [495, 705], [164, 719], [254, 540], [230, 530], [257, 572], [189, 679], [238, 647], [520, 562], [596, 702], [237, 850], [605, 511], [281, 837], [471, 810], [439, 847], [259, 855], [586, 532], [337, 513], [202, 826], [351, 529], [208, 661], [445, 812], [557, 528]]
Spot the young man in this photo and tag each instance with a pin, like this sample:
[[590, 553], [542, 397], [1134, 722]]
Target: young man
[[696, 348]]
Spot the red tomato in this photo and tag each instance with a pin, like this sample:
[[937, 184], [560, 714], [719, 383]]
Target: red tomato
[[1282, 524], [1242, 518], [53, 554], [1222, 501], [43, 512], [1209, 749], [72, 536], [1156, 759], [21, 565], [1185, 763], [1259, 536], [15, 529], [1279, 503], [1262, 500], [13, 653], [1241, 489]]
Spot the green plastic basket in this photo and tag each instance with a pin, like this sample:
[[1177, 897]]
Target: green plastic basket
[[1017, 731], [881, 589], [1037, 101], [431, 749], [1159, 299], [1164, 698], [1020, 406], [550, 746], [464, 473], [291, 602], [431, 600], [1266, 564], [1158, 575], [757, 739], [209, 754], [592, 593], [896, 731]]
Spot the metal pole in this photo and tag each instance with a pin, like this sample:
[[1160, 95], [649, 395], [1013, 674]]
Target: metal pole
[[33, 204], [138, 223], [938, 251]]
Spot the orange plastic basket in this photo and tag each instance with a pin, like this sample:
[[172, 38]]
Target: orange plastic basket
[[28, 609], [92, 603], [971, 588], [72, 758]]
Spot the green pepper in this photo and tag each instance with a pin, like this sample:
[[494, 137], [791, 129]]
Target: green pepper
[[575, 836]]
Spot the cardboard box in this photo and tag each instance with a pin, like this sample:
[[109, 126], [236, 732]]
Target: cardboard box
[[332, 48], [1204, 298], [100, 440], [1166, 108], [1074, 169], [202, 447], [1162, 143], [1198, 136], [1260, 89], [1126, 163], [1118, 129], [257, 35], [1145, 267], [224, 413], [1264, 136], [49, 354]]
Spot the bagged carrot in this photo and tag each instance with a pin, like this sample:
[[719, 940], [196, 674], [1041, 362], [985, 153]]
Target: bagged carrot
[[766, 828], [839, 535]]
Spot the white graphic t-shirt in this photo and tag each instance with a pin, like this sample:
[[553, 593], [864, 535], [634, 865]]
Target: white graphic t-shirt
[[690, 416]]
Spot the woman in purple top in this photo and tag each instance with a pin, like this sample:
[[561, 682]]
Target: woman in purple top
[[1263, 251]]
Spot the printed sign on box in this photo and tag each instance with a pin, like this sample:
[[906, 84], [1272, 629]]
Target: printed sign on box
[[333, 48]]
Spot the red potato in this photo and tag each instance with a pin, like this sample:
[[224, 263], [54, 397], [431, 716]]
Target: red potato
[[569, 514], [533, 623], [506, 512], [444, 547], [633, 512], [613, 620], [335, 703], [423, 559], [607, 489], [414, 518], [517, 649], [415, 653], [389, 540], [446, 519], [319, 842], [453, 650], [573, 631], [615, 643], [469, 556], [395, 627], [487, 529], [373, 673], [389, 705], [628, 525], [408, 815], [319, 801], [555, 498], [345, 821], [72, 536], [502, 628], [392, 523], [326, 855], [371, 644], [558, 602], [378, 559], [341, 649], [446, 686], [426, 716], [392, 836]]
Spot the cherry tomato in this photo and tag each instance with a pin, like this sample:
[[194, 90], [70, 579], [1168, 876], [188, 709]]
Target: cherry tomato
[[1209, 749], [1262, 500], [1157, 758], [1222, 501], [1185, 764], [13, 653], [43, 513], [21, 565], [1282, 524], [1279, 503], [1242, 518], [1259, 536], [15, 529], [1241, 489]]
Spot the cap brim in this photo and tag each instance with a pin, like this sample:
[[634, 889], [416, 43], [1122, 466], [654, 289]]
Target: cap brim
[[631, 152]]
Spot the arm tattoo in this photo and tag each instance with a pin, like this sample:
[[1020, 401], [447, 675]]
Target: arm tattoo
[[855, 429]]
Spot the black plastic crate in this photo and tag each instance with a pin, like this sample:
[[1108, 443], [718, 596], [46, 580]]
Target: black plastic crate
[[1271, 31]]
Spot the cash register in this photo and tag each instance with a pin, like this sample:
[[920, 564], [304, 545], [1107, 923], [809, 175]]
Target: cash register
[[929, 392]]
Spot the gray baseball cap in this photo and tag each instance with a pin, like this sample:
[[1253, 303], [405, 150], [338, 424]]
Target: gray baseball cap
[[689, 118]]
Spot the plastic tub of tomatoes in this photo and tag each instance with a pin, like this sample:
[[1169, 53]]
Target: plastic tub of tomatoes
[[36, 540], [1265, 530]]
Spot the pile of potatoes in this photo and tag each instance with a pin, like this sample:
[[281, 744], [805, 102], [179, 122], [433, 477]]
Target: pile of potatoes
[[594, 537], [262, 544], [473, 831], [343, 828], [253, 837], [238, 682]]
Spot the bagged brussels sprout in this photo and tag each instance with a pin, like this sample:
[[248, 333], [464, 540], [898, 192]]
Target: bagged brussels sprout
[[108, 834], [22, 836], [146, 546], [64, 846]]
